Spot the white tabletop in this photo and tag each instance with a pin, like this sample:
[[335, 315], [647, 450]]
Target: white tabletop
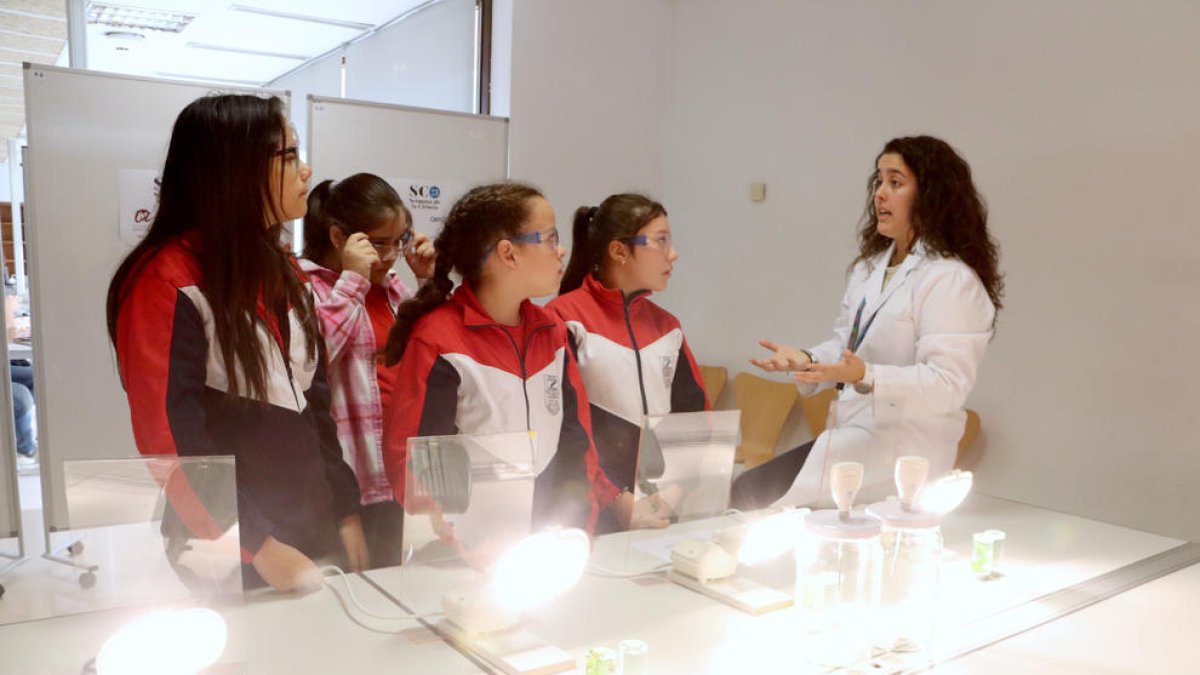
[[1149, 629], [268, 633], [687, 632], [55, 626]]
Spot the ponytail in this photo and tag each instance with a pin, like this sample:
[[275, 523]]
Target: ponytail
[[585, 254], [316, 224], [357, 203], [618, 218], [431, 294]]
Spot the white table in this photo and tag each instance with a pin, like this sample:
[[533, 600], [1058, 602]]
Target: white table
[[687, 632], [268, 632], [1149, 629]]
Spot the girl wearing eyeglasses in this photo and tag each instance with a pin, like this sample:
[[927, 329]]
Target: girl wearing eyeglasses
[[632, 353], [219, 347], [483, 359], [354, 231]]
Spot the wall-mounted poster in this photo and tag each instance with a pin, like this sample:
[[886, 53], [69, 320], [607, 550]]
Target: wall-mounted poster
[[138, 190], [429, 201]]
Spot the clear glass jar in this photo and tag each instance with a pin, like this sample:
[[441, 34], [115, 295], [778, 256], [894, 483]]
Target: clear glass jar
[[912, 558], [838, 567]]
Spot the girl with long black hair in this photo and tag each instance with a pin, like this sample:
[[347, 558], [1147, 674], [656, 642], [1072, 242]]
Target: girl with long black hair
[[219, 347]]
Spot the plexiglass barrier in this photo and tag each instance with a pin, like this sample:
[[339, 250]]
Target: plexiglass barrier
[[685, 466], [148, 529], [466, 494], [684, 474], [467, 499]]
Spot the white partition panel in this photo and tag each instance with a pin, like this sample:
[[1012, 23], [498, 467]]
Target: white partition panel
[[87, 130], [430, 156], [10, 505]]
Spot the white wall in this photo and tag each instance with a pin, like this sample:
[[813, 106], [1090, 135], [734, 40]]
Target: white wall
[[588, 95], [426, 60], [320, 78], [502, 42], [1081, 120]]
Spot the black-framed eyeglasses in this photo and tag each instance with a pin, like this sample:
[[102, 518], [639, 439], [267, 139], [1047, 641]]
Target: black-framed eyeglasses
[[290, 155]]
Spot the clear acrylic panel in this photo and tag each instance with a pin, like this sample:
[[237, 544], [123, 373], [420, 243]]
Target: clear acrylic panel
[[685, 466], [466, 500], [142, 530], [681, 491], [465, 495]]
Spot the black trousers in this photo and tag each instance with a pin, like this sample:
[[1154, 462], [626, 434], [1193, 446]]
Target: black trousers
[[761, 486]]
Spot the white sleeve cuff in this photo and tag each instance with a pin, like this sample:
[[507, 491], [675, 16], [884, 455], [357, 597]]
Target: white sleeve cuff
[[867, 384]]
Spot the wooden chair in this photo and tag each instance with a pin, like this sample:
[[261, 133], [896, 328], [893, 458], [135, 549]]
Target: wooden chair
[[765, 405], [816, 409], [714, 378], [970, 433]]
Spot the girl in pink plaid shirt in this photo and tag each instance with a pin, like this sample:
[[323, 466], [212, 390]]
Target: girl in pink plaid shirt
[[354, 231]]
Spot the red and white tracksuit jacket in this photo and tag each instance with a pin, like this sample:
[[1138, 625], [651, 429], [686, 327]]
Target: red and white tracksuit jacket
[[463, 373], [635, 362], [292, 483]]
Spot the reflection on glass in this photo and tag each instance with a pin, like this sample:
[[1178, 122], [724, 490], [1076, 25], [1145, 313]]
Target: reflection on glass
[[685, 466], [153, 528], [467, 498]]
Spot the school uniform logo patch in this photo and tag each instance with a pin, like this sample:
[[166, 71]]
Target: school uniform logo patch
[[668, 369], [553, 394]]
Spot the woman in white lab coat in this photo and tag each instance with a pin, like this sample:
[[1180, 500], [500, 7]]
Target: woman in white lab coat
[[915, 320]]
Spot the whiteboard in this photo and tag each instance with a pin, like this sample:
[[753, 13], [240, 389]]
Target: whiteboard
[[413, 148], [10, 504], [85, 129]]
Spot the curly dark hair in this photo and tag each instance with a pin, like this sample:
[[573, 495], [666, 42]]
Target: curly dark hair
[[475, 223], [949, 214]]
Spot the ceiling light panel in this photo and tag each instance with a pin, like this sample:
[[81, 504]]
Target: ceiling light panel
[[367, 12], [122, 16]]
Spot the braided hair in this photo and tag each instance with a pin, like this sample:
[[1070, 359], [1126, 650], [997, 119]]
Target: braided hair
[[476, 222]]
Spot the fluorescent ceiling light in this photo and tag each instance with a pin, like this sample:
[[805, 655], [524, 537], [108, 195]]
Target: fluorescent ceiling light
[[251, 52], [137, 17], [355, 25]]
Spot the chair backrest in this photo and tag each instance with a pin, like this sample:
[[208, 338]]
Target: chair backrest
[[816, 409], [765, 405], [714, 378], [970, 433]]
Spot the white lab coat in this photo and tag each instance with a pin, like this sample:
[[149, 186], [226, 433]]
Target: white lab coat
[[925, 346]]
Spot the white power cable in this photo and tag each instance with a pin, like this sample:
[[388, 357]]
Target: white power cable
[[326, 570]]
